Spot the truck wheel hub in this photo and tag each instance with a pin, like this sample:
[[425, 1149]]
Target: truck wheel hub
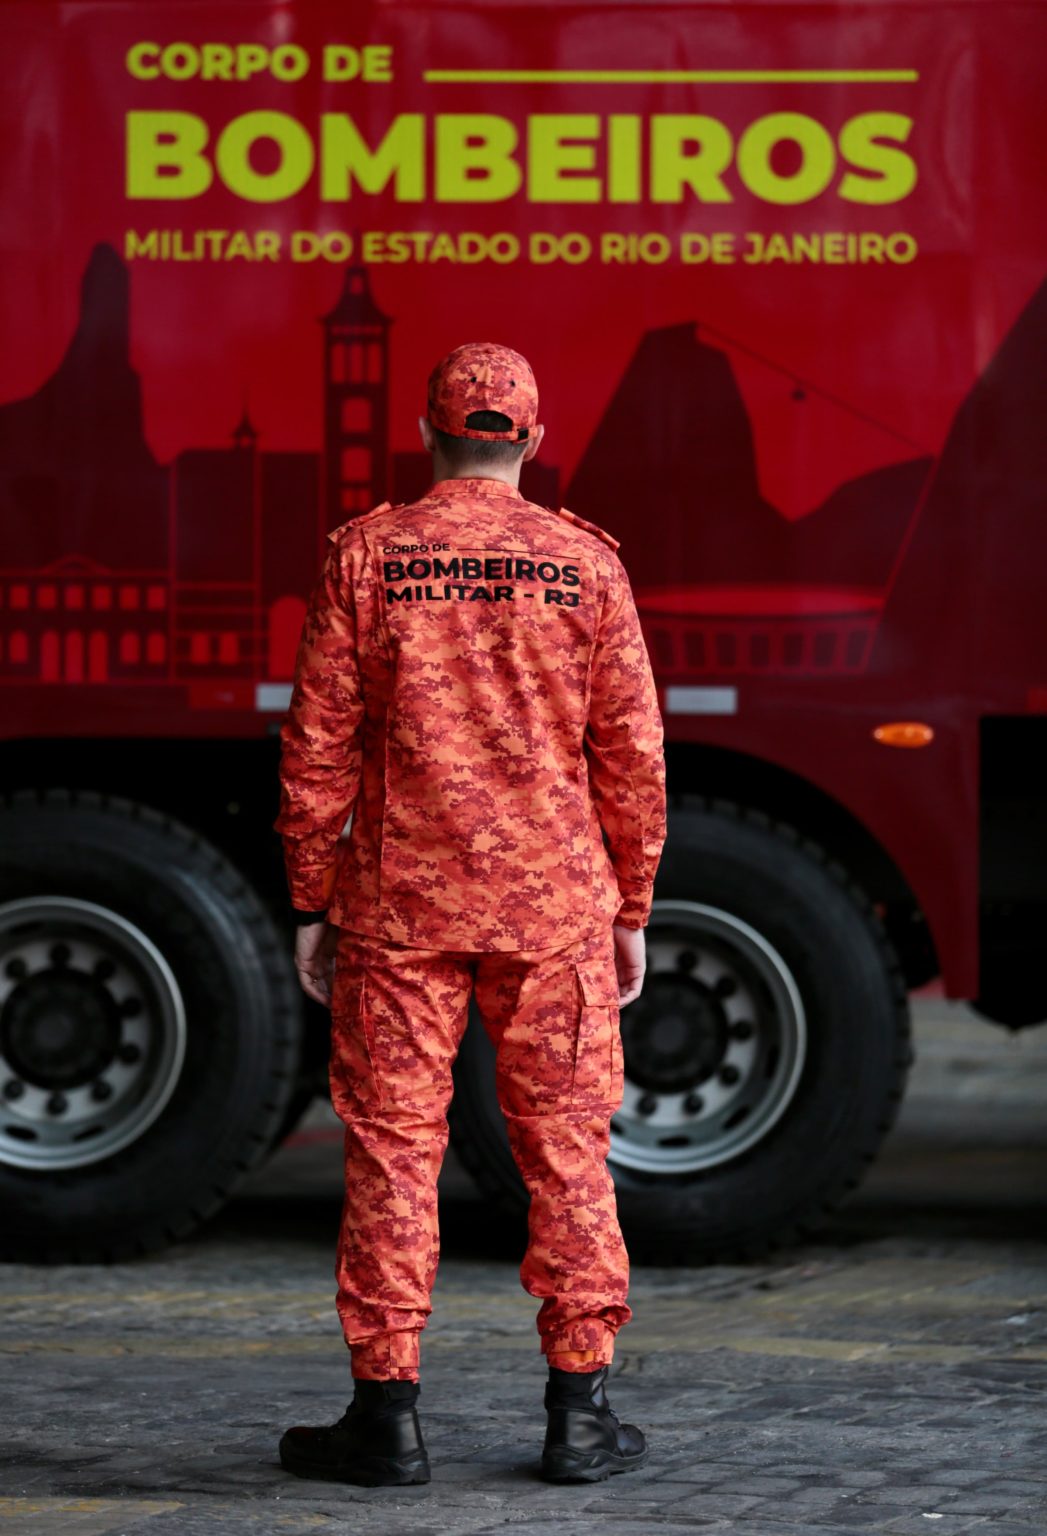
[[714, 1046], [59, 1030], [92, 1032], [674, 1036]]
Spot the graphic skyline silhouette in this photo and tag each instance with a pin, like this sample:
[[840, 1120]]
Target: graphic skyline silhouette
[[232, 536]]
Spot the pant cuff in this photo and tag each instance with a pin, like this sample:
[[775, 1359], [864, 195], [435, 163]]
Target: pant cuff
[[389, 1357], [563, 1356], [582, 1361]]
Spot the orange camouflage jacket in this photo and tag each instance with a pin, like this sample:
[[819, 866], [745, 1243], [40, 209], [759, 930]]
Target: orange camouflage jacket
[[473, 686]]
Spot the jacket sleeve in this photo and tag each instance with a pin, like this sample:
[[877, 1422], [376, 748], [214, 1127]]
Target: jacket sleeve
[[320, 740], [624, 747]]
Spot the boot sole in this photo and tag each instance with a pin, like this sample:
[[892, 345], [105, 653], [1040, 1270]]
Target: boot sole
[[375, 1472], [564, 1466]]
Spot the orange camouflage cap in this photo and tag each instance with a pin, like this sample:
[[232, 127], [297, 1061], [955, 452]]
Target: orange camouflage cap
[[482, 376]]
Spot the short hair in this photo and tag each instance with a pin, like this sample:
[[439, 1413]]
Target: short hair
[[461, 451]]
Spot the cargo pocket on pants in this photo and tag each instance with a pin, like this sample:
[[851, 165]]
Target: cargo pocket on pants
[[598, 1078]]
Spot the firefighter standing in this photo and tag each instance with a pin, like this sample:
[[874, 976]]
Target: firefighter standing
[[473, 686]]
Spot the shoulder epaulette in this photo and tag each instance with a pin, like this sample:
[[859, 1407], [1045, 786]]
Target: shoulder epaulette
[[336, 533], [581, 522]]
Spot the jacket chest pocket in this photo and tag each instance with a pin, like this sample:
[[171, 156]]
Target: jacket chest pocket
[[598, 1080]]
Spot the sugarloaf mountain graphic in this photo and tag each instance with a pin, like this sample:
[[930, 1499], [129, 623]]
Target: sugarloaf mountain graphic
[[118, 570]]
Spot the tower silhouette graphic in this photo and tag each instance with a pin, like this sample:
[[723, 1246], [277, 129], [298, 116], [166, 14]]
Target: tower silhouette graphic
[[356, 401]]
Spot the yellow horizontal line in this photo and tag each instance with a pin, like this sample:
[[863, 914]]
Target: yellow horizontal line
[[666, 76]]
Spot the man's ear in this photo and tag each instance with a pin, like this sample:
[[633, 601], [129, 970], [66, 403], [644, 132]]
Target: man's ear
[[425, 427], [533, 445]]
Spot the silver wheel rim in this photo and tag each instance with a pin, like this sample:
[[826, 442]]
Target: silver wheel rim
[[714, 1045], [92, 1033]]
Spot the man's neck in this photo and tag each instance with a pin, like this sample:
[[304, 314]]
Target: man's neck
[[508, 474]]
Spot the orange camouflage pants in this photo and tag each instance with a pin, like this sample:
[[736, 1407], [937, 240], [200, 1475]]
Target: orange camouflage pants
[[398, 1016]]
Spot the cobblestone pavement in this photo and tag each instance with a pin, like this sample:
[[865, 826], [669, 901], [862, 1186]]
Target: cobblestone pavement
[[890, 1377]]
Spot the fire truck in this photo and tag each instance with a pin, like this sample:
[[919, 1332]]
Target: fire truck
[[780, 271]]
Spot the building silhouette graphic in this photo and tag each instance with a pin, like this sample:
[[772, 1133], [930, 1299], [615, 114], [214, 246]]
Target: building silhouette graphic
[[194, 573], [193, 576]]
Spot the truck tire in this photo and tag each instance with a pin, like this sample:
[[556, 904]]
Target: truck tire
[[765, 1058], [149, 1028]]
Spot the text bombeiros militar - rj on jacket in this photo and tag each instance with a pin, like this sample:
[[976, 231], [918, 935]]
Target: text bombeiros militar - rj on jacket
[[473, 686]]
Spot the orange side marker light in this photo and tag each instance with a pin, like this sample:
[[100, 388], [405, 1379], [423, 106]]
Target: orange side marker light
[[904, 733]]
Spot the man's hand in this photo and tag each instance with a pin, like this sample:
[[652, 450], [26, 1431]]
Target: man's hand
[[314, 952], [630, 961]]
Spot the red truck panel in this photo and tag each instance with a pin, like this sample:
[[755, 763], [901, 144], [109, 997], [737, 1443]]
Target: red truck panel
[[778, 269]]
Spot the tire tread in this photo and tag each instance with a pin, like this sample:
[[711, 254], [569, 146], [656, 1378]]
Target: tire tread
[[215, 1184]]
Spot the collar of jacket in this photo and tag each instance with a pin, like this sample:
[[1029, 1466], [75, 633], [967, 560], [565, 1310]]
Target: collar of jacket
[[476, 483]]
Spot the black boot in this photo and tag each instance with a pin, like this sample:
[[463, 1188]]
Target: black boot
[[584, 1442], [376, 1443]]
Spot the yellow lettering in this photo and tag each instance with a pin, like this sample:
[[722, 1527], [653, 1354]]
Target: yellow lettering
[[399, 158], [289, 62], [623, 159], [474, 159], [174, 168], [893, 171], [781, 158], [717, 248], [378, 62], [216, 61], [251, 59], [556, 153], [179, 61], [232, 156], [140, 245], [901, 247], [374, 62], [340, 62], [817, 157], [305, 245], [776, 249], [443, 249], [689, 151], [141, 61]]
